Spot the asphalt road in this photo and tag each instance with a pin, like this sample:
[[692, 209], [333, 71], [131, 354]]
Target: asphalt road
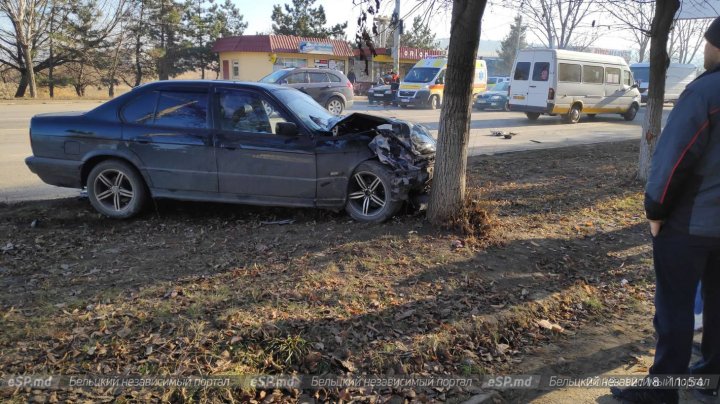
[[17, 183]]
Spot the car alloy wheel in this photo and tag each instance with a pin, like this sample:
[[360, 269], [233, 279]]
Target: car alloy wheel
[[369, 196], [335, 106], [116, 189], [113, 190], [367, 193]]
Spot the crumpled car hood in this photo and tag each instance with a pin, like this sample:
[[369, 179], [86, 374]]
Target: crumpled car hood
[[402, 145]]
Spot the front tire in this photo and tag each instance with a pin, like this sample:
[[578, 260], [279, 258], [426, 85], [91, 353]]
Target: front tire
[[116, 189], [434, 102], [335, 105], [369, 196], [629, 115]]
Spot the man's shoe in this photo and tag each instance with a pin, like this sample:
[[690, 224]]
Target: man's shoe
[[645, 396]]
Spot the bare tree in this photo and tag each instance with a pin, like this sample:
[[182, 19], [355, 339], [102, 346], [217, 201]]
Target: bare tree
[[556, 23], [635, 16], [659, 61], [686, 38], [448, 190], [29, 19]]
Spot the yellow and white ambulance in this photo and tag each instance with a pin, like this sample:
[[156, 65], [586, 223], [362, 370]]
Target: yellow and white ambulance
[[424, 84]]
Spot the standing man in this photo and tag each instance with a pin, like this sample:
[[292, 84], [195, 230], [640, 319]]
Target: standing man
[[682, 203]]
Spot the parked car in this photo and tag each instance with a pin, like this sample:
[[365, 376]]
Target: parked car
[[492, 81], [497, 98], [251, 143], [381, 95], [424, 84], [330, 88]]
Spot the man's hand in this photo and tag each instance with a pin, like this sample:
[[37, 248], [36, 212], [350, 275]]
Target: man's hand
[[655, 226]]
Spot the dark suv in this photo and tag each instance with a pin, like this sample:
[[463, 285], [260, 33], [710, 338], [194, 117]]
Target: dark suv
[[330, 88]]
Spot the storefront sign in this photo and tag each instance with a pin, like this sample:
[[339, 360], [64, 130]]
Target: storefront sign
[[315, 47]]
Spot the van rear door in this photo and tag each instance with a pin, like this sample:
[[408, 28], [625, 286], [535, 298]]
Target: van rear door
[[521, 79], [542, 73]]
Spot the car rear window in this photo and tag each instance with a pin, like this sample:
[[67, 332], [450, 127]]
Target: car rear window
[[182, 110], [522, 71], [140, 109], [541, 71]]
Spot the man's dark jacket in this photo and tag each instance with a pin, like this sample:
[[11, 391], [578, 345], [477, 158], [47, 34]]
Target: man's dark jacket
[[684, 183]]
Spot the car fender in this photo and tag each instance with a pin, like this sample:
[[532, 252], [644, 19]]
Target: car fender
[[93, 157]]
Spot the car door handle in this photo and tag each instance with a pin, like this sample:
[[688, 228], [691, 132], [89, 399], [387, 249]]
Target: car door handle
[[533, 86]]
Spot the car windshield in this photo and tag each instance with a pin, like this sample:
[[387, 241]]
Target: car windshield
[[641, 73], [273, 77], [310, 112], [421, 74], [501, 86]]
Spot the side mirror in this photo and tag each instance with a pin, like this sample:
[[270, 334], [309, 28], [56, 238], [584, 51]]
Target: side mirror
[[283, 81], [440, 80], [635, 85], [286, 129]]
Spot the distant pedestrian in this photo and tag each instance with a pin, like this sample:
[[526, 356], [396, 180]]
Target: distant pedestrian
[[351, 77], [681, 203]]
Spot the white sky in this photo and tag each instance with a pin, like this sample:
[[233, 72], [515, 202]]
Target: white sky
[[495, 26]]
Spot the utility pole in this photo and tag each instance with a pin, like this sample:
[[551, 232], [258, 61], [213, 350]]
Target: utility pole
[[396, 42]]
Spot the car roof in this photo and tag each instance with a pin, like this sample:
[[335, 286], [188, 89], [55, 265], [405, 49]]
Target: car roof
[[190, 83]]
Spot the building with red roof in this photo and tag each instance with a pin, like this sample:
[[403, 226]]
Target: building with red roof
[[251, 57]]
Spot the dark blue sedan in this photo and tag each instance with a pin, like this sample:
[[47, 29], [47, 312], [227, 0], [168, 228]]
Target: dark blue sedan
[[497, 98], [248, 143]]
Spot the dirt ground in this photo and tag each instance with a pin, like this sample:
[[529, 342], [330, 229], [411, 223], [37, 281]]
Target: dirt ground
[[562, 284]]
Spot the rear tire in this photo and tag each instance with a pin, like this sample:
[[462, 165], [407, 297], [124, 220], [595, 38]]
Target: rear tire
[[629, 115], [533, 116], [335, 105], [369, 197], [116, 189], [573, 115]]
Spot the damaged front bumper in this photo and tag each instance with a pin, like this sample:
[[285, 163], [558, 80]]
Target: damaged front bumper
[[407, 148]]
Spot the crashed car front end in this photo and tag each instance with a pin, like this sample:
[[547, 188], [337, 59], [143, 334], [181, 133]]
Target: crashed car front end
[[407, 148]]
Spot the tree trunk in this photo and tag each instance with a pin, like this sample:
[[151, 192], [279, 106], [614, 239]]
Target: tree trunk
[[659, 61], [29, 70], [22, 86], [448, 189]]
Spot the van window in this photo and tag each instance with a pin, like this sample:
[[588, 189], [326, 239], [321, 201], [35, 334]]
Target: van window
[[627, 78], [569, 72], [541, 71], [612, 75], [592, 74], [522, 71]]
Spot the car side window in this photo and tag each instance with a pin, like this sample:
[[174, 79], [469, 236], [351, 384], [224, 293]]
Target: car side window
[[334, 78], [245, 111], [522, 71], [318, 77], [593, 74], [627, 77], [182, 110], [541, 71], [141, 109], [612, 75], [295, 78]]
